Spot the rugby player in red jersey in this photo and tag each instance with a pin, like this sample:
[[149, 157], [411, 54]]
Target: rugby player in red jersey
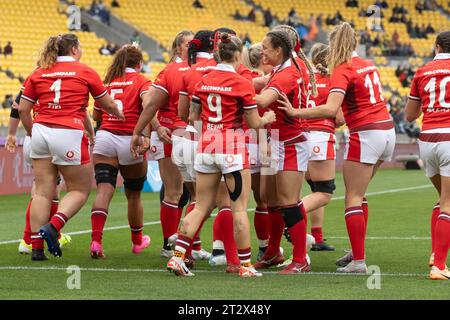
[[62, 86], [430, 95], [355, 85], [111, 155], [222, 97]]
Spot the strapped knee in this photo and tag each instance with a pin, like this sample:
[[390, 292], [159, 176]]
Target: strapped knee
[[327, 186], [184, 200], [135, 184], [291, 215], [106, 173], [236, 193], [311, 185]]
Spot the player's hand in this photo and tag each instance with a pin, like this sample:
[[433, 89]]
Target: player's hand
[[164, 134], [265, 154], [286, 106], [145, 145], [136, 145], [269, 117], [11, 143]]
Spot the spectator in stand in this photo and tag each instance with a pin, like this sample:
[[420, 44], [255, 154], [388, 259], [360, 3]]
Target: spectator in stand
[[8, 102], [398, 115], [293, 13], [420, 6], [268, 18], [430, 29], [115, 4], [238, 16], [112, 48], [246, 40], [197, 4], [136, 38], [8, 50], [384, 4], [252, 15], [104, 51], [352, 4], [319, 20], [338, 18]]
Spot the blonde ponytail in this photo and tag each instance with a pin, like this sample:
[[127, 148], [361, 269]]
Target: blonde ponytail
[[342, 43]]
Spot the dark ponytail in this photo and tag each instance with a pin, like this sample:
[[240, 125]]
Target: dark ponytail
[[201, 43]]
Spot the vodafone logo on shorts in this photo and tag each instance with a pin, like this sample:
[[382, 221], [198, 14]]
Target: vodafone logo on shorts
[[70, 154], [316, 149], [229, 159], [153, 149]]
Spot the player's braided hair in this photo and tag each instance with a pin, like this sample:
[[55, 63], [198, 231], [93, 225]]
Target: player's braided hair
[[227, 47], [295, 42], [129, 56], [216, 38], [342, 43], [319, 54], [177, 42], [443, 40], [252, 56], [60, 45], [201, 43]]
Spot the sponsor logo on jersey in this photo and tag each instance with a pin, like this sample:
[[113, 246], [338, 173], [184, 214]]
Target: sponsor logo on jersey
[[216, 88], [366, 69], [58, 74]]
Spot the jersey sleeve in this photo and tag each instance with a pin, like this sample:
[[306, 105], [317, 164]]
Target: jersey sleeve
[[414, 94], [248, 95], [161, 81], [28, 92], [145, 86], [184, 86], [96, 87], [281, 84], [340, 79]]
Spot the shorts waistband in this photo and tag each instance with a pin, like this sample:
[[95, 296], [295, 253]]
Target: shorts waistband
[[434, 137], [385, 125]]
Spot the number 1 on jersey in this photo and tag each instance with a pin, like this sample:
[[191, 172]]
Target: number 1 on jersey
[[369, 85], [56, 86]]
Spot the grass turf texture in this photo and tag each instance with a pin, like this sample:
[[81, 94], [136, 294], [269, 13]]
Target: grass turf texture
[[123, 275]]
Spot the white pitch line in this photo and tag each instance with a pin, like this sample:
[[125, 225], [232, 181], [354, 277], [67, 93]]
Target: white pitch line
[[50, 268], [76, 233]]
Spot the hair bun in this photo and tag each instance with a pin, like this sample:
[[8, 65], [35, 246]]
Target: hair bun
[[225, 37], [195, 44]]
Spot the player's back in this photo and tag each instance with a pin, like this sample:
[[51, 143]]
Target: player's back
[[360, 82], [431, 86], [127, 92], [63, 92], [323, 89]]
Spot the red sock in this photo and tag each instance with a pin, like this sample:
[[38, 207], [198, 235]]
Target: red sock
[[434, 218], [54, 208], [27, 230], [245, 256], [365, 209], [276, 231], [442, 241], [182, 244], [317, 234], [297, 232], [354, 219], [261, 222], [169, 216], [58, 221], [98, 220], [37, 242], [227, 234], [136, 234]]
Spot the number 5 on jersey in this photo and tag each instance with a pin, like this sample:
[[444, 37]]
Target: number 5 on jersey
[[119, 103]]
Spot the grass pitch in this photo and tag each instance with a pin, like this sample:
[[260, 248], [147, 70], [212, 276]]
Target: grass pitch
[[398, 243]]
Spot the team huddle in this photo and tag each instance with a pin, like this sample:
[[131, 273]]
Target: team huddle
[[225, 120]]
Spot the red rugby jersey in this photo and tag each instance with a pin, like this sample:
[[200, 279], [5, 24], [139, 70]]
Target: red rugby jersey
[[169, 80], [193, 77], [61, 93], [323, 88], [126, 92], [431, 85], [224, 96], [360, 82], [286, 79]]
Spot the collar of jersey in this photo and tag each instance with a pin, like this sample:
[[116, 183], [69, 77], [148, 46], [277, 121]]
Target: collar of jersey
[[225, 67], [205, 55], [442, 56], [130, 70], [277, 68], [178, 60], [355, 54], [65, 59]]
